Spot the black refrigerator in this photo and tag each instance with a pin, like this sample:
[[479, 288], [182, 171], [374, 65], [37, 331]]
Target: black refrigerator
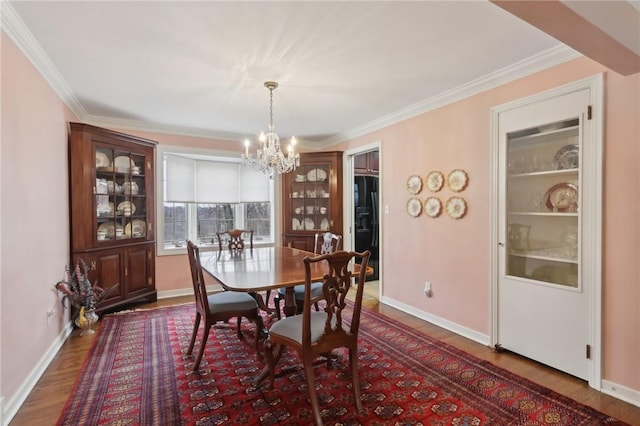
[[365, 193]]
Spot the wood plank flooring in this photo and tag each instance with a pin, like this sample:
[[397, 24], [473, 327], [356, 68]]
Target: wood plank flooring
[[46, 401]]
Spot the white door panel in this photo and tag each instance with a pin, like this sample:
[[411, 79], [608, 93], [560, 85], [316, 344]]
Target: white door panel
[[542, 293]]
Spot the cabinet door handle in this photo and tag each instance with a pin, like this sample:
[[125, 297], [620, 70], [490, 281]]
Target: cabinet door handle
[[148, 165], [126, 272], [501, 244], [93, 265], [150, 227]]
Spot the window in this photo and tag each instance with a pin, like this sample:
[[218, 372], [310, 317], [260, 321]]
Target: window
[[203, 195]]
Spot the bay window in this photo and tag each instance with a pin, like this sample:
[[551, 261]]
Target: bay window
[[203, 195]]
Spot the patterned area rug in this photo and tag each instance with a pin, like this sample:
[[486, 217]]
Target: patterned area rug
[[137, 373]]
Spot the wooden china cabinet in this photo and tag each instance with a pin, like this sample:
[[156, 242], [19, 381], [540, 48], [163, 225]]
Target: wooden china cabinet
[[312, 199], [112, 211]]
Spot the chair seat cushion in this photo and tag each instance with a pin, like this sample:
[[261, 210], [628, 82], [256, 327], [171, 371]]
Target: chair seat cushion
[[298, 291], [291, 327], [231, 301]]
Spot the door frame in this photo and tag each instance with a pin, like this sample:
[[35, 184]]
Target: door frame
[[592, 256], [348, 219]]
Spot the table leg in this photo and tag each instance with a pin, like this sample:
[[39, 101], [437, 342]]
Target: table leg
[[290, 307]]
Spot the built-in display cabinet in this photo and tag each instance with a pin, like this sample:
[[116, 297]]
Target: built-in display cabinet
[[543, 170], [312, 198], [112, 193]]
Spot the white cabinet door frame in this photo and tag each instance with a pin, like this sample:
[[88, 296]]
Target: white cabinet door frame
[[591, 249]]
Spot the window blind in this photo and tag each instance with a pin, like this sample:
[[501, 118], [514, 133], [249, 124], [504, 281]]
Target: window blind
[[191, 180]]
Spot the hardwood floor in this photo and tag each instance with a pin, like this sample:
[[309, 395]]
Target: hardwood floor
[[46, 401]]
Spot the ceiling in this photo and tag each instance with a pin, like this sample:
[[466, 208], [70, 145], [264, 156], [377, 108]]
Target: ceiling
[[344, 68]]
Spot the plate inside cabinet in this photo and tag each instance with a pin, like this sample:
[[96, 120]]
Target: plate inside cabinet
[[123, 163], [435, 181], [295, 224], [432, 207], [317, 175], [456, 207], [126, 208], [457, 180], [562, 197], [112, 229], [567, 157], [324, 225], [136, 228], [102, 159], [414, 184], [309, 224], [414, 207]]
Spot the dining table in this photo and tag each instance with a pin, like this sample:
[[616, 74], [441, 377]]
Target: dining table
[[263, 268]]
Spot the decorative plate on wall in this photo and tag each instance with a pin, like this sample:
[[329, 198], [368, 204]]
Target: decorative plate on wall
[[456, 207], [432, 207], [414, 207], [457, 180], [414, 184], [435, 181]]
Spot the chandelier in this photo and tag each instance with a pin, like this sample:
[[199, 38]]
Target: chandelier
[[269, 158]]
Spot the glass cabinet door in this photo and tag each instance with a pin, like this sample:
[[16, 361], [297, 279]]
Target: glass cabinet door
[[543, 203], [120, 197], [311, 198]]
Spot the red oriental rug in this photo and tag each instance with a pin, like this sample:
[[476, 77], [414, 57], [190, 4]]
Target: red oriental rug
[[137, 373]]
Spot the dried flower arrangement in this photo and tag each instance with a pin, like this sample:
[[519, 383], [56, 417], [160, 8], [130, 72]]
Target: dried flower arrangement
[[78, 290]]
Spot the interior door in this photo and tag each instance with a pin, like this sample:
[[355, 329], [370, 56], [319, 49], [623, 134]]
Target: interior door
[[543, 294]]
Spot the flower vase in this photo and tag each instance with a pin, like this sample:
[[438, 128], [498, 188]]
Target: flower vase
[[85, 321]]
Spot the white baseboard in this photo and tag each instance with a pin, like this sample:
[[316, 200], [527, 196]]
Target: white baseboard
[[623, 393], [167, 294], [440, 322], [16, 401], [615, 390], [175, 293]]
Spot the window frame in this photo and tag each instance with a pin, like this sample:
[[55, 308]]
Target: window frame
[[191, 213]]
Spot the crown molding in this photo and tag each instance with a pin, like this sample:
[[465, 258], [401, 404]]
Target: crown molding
[[146, 126], [546, 59], [15, 28]]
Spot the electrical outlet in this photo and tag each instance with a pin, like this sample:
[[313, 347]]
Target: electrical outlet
[[427, 289], [50, 314], [386, 209]]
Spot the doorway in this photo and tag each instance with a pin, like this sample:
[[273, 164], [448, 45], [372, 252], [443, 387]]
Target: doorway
[[362, 224]]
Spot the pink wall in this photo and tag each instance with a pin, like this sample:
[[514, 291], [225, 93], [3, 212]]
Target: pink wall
[[35, 216], [454, 255], [172, 272], [451, 254]]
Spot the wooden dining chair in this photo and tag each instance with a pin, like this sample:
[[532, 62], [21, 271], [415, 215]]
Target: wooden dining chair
[[313, 333], [234, 239], [324, 243], [218, 307], [235, 242]]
